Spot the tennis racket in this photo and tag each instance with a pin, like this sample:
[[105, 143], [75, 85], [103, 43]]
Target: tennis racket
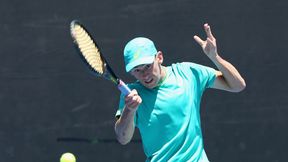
[[92, 56]]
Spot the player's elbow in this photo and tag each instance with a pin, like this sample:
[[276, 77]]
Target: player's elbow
[[124, 132], [240, 87], [123, 141], [122, 137]]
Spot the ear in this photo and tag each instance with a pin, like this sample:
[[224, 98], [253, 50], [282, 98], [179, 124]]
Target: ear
[[160, 57]]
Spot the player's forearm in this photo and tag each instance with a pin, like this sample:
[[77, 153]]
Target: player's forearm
[[231, 75], [124, 126]]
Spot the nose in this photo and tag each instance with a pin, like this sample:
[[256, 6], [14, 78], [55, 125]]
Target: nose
[[144, 74]]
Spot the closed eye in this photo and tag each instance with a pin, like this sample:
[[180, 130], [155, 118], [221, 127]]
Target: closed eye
[[142, 69], [137, 70]]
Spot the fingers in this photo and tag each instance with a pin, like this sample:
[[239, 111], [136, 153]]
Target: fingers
[[199, 40], [210, 38], [209, 42], [133, 100], [208, 31]]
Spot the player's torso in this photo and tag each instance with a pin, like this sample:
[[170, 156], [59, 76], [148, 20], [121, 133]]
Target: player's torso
[[165, 111]]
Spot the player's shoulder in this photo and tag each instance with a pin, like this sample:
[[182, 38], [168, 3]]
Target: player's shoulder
[[185, 66], [191, 68], [188, 65]]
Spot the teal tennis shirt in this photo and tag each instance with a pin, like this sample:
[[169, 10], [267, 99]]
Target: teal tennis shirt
[[169, 116]]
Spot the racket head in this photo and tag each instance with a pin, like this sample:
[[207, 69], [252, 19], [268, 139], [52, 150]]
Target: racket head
[[90, 52]]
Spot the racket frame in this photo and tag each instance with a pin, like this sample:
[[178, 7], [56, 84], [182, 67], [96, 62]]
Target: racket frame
[[108, 73]]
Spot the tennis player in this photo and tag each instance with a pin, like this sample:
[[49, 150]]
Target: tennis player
[[165, 100]]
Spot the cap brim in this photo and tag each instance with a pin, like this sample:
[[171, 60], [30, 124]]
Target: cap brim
[[140, 61]]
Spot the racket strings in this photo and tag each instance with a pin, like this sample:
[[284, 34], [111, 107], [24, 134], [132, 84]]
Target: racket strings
[[88, 48]]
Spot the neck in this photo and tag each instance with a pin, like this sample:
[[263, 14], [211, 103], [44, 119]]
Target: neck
[[163, 74]]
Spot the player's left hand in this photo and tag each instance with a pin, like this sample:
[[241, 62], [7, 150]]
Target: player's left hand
[[209, 45]]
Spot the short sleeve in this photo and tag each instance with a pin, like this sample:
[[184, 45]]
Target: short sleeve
[[204, 75]]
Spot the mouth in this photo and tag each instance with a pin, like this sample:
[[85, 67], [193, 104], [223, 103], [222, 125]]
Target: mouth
[[148, 81]]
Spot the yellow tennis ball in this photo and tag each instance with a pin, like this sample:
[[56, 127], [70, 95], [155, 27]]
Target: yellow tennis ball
[[67, 157]]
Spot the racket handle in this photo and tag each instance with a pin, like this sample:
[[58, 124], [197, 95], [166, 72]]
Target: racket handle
[[123, 88]]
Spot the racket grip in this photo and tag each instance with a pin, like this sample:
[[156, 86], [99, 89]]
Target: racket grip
[[123, 88]]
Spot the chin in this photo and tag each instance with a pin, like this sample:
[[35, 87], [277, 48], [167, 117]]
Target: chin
[[150, 86]]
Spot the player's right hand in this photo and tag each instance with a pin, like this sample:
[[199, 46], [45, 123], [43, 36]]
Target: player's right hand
[[133, 100]]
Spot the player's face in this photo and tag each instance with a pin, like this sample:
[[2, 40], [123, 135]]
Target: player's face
[[149, 75]]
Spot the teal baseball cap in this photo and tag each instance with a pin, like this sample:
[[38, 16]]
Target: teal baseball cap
[[139, 51]]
